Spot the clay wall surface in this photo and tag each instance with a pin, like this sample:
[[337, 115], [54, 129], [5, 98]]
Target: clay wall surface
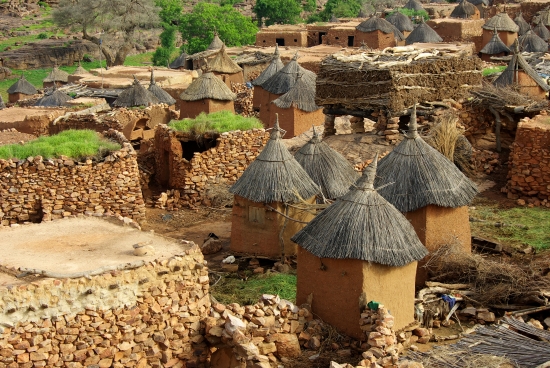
[[30, 120], [265, 107], [528, 9], [295, 121], [192, 109], [251, 72], [43, 190], [375, 40], [529, 174], [339, 36], [507, 37], [258, 96], [295, 38], [529, 86], [313, 32], [228, 78], [149, 316], [458, 30], [14, 97]]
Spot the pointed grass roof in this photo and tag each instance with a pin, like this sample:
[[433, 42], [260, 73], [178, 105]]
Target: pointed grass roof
[[524, 27], [158, 92], [423, 33], [375, 24], [414, 5], [57, 75], [53, 98], [208, 86], [281, 82], [273, 67], [544, 16], [179, 62], [502, 22], [80, 70], [362, 225], [275, 176], [495, 46], [135, 95], [464, 10], [222, 63], [328, 168], [531, 42], [543, 32], [421, 176], [216, 43], [401, 21], [301, 96], [22, 86]]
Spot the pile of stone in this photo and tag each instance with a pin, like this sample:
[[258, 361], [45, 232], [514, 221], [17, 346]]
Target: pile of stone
[[485, 161], [389, 127], [243, 102]]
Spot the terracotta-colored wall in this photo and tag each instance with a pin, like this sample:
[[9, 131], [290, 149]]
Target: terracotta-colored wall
[[292, 38], [50, 84], [191, 109], [340, 36], [295, 121], [375, 40], [487, 57], [529, 86], [507, 37], [259, 96], [265, 107], [456, 30], [14, 97], [228, 78]]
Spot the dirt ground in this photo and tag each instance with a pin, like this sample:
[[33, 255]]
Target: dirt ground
[[10, 137]]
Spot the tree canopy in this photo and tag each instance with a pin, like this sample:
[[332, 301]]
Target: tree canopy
[[279, 11], [341, 9]]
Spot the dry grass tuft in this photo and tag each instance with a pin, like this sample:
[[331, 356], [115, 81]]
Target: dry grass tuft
[[443, 357]]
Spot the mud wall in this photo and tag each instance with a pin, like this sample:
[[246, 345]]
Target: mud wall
[[192, 109], [340, 36], [43, 190], [150, 316], [374, 40], [291, 38], [294, 120]]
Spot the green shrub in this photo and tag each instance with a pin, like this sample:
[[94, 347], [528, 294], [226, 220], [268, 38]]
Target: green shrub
[[42, 36], [413, 14], [234, 290], [219, 122]]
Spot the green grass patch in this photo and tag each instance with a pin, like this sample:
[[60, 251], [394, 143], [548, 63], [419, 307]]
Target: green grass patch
[[234, 290], [497, 69], [537, 220], [221, 121], [76, 144]]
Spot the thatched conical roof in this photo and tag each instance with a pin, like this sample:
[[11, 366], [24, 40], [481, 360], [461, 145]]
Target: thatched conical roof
[[375, 23], [273, 67], [463, 10], [544, 17], [2, 104], [333, 19], [397, 34], [275, 176], [281, 82], [362, 225], [216, 43], [80, 70], [479, 2], [518, 62], [401, 22], [502, 22], [208, 86], [531, 42], [495, 46], [414, 5], [328, 168], [57, 75], [179, 62], [421, 176], [524, 27], [136, 95], [301, 96], [423, 33], [541, 31], [158, 92], [22, 86], [53, 98], [222, 63]]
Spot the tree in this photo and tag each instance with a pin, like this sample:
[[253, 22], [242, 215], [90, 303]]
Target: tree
[[109, 17], [278, 11], [171, 11], [198, 27], [162, 54], [341, 9]]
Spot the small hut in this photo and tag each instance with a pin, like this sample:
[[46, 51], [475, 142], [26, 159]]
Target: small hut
[[216, 43], [507, 29], [360, 249], [225, 68], [158, 92], [134, 96], [543, 32], [180, 62], [20, 90], [465, 10], [531, 42], [53, 98], [78, 74], [524, 27], [200, 59], [57, 77], [401, 22], [272, 69], [413, 5], [430, 190], [520, 73], [423, 33], [328, 168], [495, 47], [269, 191], [207, 94], [376, 33], [297, 109]]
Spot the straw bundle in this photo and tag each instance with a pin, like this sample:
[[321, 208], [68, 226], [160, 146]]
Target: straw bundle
[[531, 42], [275, 65], [502, 22], [179, 62], [222, 63], [284, 79], [522, 24], [136, 95], [362, 225], [57, 75], [423, 33], [301, 96], [328, 168], [495, 46], [542, 32], [275, 176], [450, 141], [400, 21], [159, 93], [463, 10], [208, 86], [422, 176], [413, 5], [22, 86], [375, 24], [54, 98]]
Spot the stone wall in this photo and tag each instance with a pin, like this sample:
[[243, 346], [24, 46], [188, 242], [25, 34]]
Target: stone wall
[[37, 190], [149, 316]]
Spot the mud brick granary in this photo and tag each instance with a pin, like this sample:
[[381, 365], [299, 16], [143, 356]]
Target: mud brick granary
[[495, 47], [20, 90], [56, 77], [505, 26], [225, 68], [158, 92], [260, 94]]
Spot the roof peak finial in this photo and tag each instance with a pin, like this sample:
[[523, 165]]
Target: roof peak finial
[[515, 47], [413, 125], [370, 173], [276, 130], [296, 56], [152, 75], [276, 53]]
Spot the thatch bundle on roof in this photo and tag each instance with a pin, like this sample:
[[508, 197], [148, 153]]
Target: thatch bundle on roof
[[524, 27], [301, 96], [531, 42], [275, 176], [22, 86], [541, 31], [212, 49], [284, 79], [136, 95], [362, 225], [375, 23], [53, 98], [328, 168], [464, 10], [400, 21], [222, 63], [275, 65], [179, 62], [413, 5], [80, 70], [495, 46], [421, 176], [208, 86], [502, 22], [159, 93], [423, 33], [57, 75]]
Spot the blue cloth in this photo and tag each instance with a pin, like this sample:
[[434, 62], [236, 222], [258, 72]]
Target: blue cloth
[[249, 85], [449, 299]]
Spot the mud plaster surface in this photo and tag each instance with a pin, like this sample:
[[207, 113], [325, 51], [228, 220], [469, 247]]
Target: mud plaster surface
[[77, 245]]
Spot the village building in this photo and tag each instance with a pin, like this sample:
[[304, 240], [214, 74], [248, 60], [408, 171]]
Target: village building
[[423, 33], [296, 109], [342, 34], [459, 30], [136, 95], [520, 73], [541, 31], [413, 5], [357, 251], [376, 33], [465, 10], [401, 22], [253, 63], [331, 171], [20, 90], [495, 47], [481, 5], [78, 74], [180, 63], [317, 32], [531, 42], [207, 94], [225, 68], [269, 191], [524, 27], [53, 98], [158, 92], [430, 190], [507, 29], [282, 35], [261, 94], [201, 59], [57, 77]]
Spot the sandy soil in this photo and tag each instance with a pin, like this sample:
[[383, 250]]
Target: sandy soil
[[16, 114], [10, 137]]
